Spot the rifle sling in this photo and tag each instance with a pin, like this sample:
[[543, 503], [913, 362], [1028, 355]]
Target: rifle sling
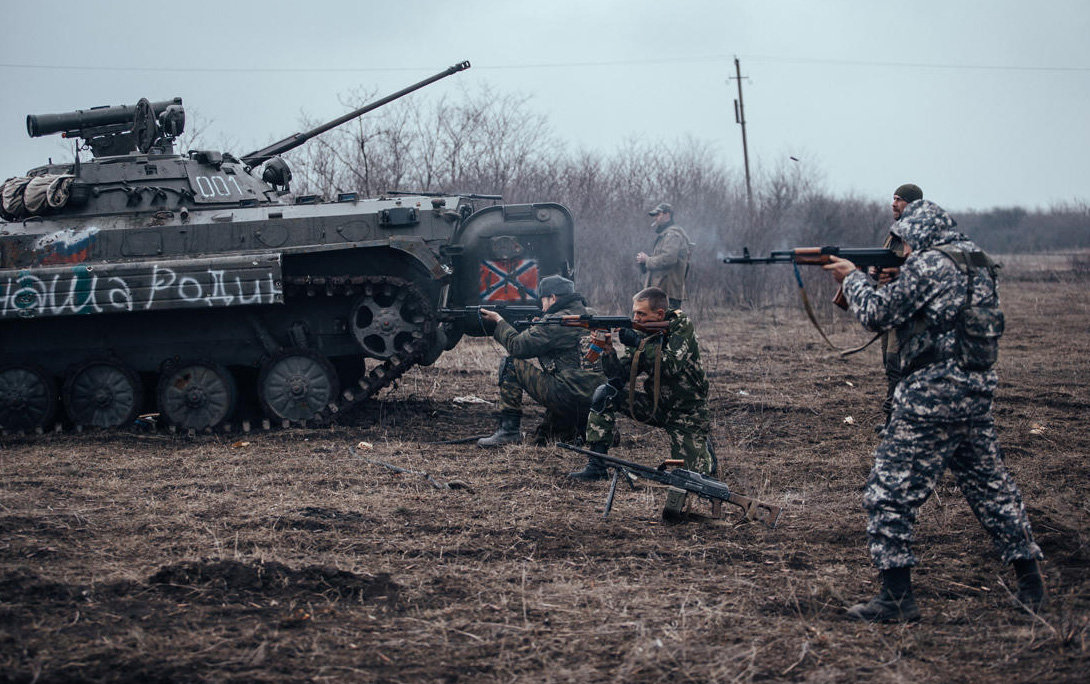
[[813, 319], [634, 370]]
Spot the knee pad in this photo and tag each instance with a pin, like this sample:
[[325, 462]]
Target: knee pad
[[602, 397]]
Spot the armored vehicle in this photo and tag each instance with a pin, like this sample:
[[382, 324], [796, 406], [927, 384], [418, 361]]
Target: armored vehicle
[[148, 281]]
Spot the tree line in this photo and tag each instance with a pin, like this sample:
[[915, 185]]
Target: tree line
[[493, 143]]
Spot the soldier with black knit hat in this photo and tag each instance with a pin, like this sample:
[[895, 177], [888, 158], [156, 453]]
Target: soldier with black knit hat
[[563, 383]]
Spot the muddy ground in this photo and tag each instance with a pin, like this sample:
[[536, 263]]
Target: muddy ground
[[283, 557]]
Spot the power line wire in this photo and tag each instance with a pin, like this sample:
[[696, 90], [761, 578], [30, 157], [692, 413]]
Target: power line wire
[[557, 65], [915, 65]]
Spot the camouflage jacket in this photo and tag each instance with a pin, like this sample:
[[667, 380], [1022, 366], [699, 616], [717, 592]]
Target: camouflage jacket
[[558, 349], [668, 263], [683, 386], [922, 305]]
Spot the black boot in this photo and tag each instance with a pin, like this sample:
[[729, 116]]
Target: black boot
[[1031, 587], [507, 433], [595, 469], [894, 603]]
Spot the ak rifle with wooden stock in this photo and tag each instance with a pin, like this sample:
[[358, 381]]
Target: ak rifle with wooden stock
[[688, 481], [601, 323], [469, 317], [862, 257]]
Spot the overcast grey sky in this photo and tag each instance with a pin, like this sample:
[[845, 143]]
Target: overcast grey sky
[[981, 102]]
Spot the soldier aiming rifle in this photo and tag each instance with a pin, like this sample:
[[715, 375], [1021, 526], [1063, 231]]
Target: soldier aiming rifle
[[660, 344]]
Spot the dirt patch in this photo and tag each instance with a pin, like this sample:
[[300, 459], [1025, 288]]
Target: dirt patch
[[282, 557]]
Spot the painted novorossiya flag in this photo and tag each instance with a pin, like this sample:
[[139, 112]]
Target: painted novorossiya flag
[[508, 280]]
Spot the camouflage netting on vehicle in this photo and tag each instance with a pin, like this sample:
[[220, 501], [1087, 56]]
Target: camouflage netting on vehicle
[[33, 196]]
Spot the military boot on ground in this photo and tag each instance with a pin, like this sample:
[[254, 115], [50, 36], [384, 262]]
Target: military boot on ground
[[1031, 587], [894, 603], [595, 469], [508, 432]]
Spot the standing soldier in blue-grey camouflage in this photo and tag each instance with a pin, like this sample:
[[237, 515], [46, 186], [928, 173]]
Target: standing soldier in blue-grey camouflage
[[675, 389], [564, 382], [944, 308]]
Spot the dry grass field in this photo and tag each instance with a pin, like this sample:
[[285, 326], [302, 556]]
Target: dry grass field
[[284, 557]]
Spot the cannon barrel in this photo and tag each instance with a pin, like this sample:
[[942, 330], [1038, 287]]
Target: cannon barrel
[[96, 117], [292, 141]]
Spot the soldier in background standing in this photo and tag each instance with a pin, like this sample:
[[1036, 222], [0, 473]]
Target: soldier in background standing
[[562, 385], [668, 264]]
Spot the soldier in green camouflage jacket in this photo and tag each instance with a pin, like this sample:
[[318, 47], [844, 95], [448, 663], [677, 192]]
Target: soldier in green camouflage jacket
[[675, 389], [562, 384]]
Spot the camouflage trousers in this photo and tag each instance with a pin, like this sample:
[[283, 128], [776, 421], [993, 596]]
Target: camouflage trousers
[[908, 464], [563, 411], [688, 432]]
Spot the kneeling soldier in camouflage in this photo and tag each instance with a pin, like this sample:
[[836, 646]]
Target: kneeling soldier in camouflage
[[562, 385], [675, 391], [945, 310]]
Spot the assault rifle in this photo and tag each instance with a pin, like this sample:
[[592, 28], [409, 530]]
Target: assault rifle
[[863, 257], [685, 480], [601, 323], [515, 314]]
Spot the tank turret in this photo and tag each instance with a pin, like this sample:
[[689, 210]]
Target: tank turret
[[196, 287]]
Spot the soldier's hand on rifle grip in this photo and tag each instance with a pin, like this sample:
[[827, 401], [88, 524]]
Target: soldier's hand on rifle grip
[[839, 268], [885, 276], [628, 337]]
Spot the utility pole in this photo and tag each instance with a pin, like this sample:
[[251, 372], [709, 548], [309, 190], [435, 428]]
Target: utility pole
[[740, 118]]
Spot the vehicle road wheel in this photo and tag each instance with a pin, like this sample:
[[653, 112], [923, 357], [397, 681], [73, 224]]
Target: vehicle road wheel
[[196, 395], [386, 319], [28, 398], [103, 393], [296, 384]]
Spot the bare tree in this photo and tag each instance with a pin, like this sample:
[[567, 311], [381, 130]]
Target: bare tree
[[490, 142]]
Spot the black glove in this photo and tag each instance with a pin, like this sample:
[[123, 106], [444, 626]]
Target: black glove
[[629, 337]]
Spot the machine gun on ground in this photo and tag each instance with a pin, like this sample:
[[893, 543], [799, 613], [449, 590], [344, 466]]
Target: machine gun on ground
[[685, 481]]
